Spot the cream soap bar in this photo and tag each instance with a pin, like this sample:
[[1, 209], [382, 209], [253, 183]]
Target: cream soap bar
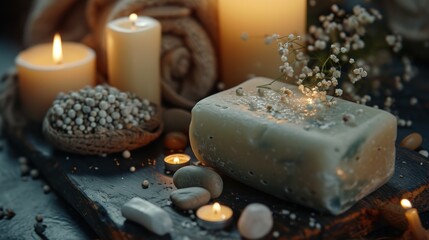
[[294, 147]]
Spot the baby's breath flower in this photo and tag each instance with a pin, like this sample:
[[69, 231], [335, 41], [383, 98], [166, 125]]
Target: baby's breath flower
[[390, 39], [334, 58], [320, 44], [334, 8], [337, 36], [338, 92]]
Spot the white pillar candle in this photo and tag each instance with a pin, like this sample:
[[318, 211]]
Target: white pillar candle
[[43, 73], [257, 18], [133, 56]]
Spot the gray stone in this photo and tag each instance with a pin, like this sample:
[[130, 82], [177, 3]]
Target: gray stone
[[192, 176], [255, 221], [190, 198]]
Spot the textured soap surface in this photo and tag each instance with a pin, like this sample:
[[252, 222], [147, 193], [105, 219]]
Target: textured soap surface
[[326, 158]]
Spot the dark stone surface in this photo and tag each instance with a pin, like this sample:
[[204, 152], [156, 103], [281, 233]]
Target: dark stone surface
[[97, 187], [27, 199]]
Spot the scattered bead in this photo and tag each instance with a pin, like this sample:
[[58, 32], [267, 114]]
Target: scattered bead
[[34, 173], [409, 123], [424, 153], [132, 169], [39, 218], [126, 154], [402, 123], [413, 101], [22, 160], [412, 141], [276, 234], [46, 188], [145, 184]]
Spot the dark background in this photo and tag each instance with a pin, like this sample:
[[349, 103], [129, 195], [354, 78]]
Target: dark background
[[13, 15]]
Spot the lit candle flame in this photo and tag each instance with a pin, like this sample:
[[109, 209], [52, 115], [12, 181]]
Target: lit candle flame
[[406, 204], [216, 208], [57, 50], [133, 18], [176, 160]]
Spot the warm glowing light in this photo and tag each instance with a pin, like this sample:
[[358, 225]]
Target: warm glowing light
[[133, 18], [57, 50], [176, 160], [406, 204], [216, 208], [310, 101]]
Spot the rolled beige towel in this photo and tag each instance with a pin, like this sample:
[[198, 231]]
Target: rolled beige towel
[[188, 64], [50, 16]]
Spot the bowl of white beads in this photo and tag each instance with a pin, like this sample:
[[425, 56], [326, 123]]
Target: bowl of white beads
[[101, 120]]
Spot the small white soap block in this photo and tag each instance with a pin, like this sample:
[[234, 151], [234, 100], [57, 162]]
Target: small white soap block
[[148, 215], [294, 147]]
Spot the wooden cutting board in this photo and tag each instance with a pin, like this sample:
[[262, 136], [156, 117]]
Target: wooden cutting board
[[97, 187]]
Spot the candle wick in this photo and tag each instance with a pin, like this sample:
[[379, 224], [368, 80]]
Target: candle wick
[[133, 19]]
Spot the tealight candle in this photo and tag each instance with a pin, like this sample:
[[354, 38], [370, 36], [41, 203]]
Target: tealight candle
[[133, 56], [214, 216], [175, 161], [48, 69], [415, 227]]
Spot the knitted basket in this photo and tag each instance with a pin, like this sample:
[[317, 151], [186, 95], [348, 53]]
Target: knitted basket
[[110, 141]]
